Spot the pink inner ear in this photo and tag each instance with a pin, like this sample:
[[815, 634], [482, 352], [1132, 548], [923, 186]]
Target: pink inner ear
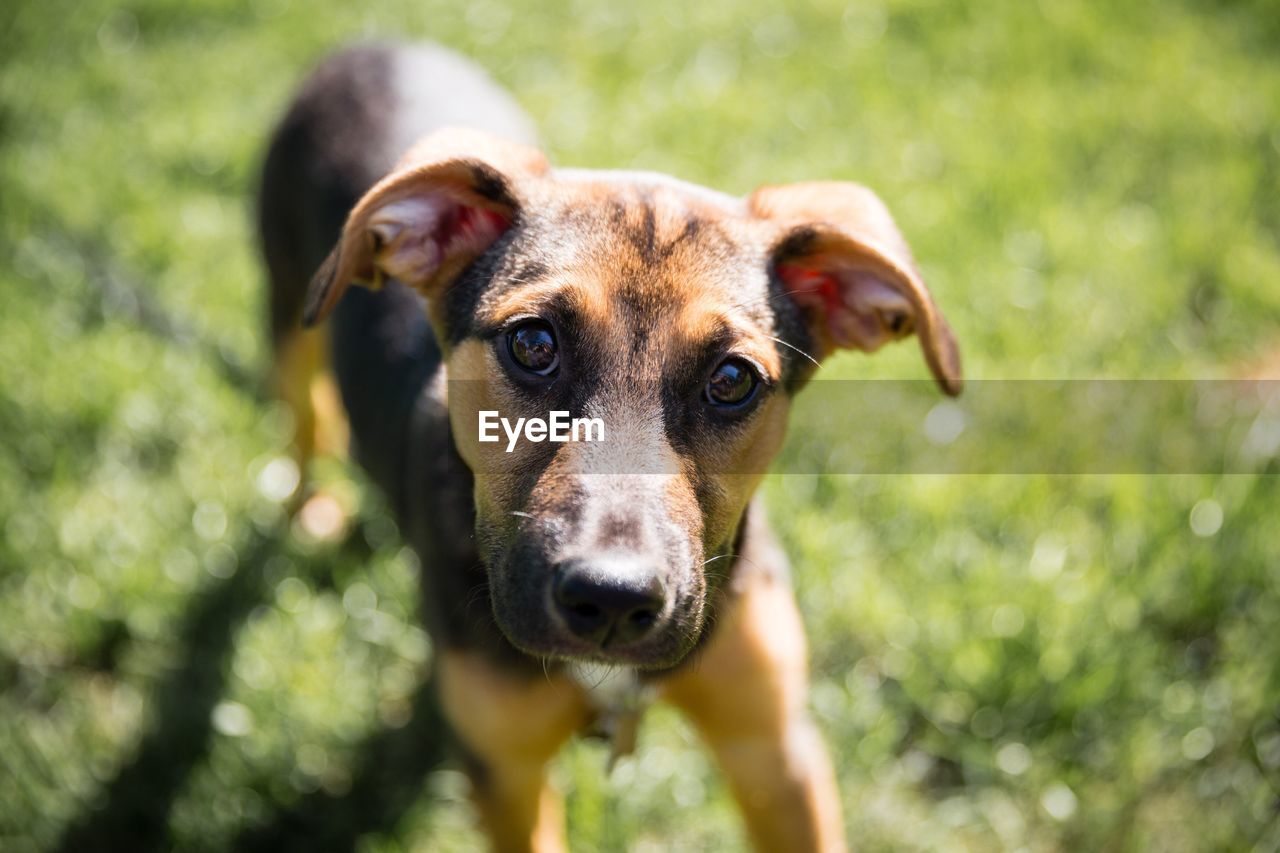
[[418, 235], [473, 230], [860, 308]]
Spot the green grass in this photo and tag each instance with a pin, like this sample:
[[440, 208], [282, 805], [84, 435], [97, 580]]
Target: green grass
[[1000, 662]]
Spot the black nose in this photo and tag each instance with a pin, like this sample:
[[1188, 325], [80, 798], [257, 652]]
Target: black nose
[[609, 602]]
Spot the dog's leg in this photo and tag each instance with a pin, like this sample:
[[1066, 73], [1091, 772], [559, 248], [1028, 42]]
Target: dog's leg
[[510, 726], [302, 379], [296, 360], [746, 695]]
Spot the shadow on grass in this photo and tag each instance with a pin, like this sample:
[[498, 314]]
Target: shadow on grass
[[391, 767], [134, 808]]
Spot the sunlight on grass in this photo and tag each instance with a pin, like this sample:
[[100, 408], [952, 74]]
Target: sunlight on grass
[[1000, 662]]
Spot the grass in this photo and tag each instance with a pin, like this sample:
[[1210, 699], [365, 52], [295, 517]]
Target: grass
[[1000, 662]]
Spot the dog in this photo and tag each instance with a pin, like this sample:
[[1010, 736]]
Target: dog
[[683, 319]]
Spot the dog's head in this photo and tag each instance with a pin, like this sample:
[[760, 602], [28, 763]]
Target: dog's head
[[682, 319]]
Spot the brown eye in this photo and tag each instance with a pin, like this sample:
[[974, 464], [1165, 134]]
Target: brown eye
[[732, 384], [533, 347]]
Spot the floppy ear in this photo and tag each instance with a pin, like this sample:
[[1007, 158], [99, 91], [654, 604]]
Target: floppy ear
[[448, 199], [842, 260]]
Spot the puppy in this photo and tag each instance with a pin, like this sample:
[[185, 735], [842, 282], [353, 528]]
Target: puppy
[[680, 319]]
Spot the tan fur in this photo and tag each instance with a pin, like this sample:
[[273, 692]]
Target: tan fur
[[590, 297], [513, 726], [747, 696]]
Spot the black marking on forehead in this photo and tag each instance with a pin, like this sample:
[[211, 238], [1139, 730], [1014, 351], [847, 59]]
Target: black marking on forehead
[[692, 227], [639, 339], [647, 240], [616, 217], [617, 212], [643, 235]]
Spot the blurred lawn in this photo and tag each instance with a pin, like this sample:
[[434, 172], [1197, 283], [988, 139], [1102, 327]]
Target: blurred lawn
[[1000, 662]]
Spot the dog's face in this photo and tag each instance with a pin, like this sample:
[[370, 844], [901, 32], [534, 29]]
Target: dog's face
[[680, 319]]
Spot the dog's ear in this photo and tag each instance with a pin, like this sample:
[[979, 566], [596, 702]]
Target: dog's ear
[[841, 258], [451, 196]]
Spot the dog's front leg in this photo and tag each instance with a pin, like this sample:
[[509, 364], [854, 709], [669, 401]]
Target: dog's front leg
[[510, 725], [746, 694]]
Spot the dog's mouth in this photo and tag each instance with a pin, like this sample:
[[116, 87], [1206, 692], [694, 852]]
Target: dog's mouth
[[647, 657], [641, 658]]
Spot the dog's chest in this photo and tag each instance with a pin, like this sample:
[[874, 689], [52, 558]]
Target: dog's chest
[[619, 699]]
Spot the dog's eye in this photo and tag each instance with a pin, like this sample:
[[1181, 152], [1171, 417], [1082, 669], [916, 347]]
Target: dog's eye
[[732, 384], [533, 347]]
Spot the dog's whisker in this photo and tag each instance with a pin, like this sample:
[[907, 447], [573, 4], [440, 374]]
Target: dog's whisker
[[609, 671], [534, 518], [751, 303], [793, 347]]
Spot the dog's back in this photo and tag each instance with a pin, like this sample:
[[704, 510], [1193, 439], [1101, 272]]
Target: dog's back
[[352, 119]]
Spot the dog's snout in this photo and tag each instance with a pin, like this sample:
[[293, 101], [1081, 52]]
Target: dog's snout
[[609, 601]]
